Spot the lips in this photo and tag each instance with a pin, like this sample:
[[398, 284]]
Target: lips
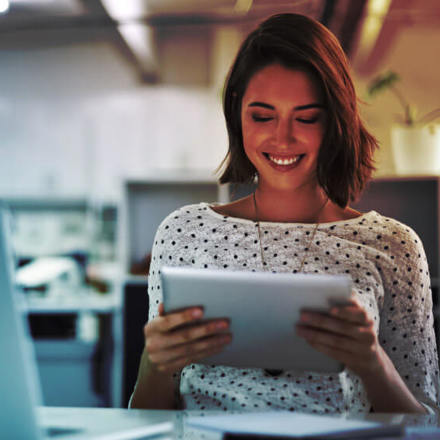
[[283, 162]]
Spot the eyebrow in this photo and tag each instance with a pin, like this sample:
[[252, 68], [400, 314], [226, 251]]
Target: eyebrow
[[299, 107]]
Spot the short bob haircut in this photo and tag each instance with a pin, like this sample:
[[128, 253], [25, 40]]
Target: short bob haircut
[[345, 160]]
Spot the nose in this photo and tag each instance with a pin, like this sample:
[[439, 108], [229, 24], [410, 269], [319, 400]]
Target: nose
[[284, 132]]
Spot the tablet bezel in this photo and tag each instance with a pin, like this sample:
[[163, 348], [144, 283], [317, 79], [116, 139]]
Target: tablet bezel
[[264, 335]]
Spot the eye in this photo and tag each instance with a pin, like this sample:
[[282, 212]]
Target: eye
[[258, 118], [308, 120]]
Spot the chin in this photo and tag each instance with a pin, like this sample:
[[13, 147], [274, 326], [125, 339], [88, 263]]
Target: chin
[[289, 185]]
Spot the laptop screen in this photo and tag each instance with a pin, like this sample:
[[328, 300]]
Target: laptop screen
[[19, 387]]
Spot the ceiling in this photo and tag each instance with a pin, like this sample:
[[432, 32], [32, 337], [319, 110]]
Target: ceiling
[[129, 22], [366, 28], [26, 13]]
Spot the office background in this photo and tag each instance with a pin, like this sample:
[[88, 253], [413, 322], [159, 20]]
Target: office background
[[110, 116]]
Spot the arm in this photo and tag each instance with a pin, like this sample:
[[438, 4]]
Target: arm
[[387, 391], [172, 342], [347, 334], [398, 365], [406, 330], [153, 390], [169, 347]]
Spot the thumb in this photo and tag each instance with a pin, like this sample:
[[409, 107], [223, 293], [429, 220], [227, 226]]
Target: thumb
[[161, 310]]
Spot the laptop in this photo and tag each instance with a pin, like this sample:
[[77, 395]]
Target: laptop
[[20, 414]]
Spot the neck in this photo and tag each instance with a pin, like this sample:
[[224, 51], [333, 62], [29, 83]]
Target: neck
[[307, 206]]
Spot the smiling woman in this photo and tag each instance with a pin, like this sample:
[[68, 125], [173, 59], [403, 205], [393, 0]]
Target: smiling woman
[[292, 119], [345, 161], [283, 125]]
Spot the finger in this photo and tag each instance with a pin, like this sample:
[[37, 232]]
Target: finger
[[337, 322], [188, 334], [161, 309], [315, 336], [354, 314], [357, 363], [340, 355], [359, 345], [178, 364], [173, 320], [321, 321], [190, 351]]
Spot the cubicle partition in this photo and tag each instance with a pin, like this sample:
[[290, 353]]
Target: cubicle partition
[[147, 202]]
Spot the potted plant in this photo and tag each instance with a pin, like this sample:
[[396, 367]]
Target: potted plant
[[415, 140]]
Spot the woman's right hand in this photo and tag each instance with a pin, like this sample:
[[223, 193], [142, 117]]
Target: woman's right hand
[[170, 347]]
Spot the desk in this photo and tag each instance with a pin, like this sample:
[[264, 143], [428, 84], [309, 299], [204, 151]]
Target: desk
[[99, 417]]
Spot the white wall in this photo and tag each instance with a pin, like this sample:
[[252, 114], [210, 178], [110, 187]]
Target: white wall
[[154, 129], [74, 121]]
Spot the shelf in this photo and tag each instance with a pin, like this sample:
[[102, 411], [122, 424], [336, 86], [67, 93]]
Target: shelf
[[83, 302]]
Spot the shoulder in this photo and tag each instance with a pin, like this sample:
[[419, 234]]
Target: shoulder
[[177, 225], [198, 217], [183, 215], [394, 230], [394, 237]]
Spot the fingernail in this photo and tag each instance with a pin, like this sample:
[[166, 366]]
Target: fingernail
[[305, 317], [197, 313], [221, 325]]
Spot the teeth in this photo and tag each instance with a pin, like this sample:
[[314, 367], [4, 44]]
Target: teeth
[[280, 161]]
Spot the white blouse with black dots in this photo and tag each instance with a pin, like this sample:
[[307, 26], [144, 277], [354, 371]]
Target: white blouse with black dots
[[387, 263]]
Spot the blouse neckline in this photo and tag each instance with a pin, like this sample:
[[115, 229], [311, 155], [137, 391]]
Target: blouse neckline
[[356, 220]]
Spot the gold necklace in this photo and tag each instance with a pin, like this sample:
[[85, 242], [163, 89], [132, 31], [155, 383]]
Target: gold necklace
[[315, 229]]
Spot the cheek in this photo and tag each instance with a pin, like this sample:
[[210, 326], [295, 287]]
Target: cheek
[[253, 134], [313, 136], [251, 141], [248, 134]]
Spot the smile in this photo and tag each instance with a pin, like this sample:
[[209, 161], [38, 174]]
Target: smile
[[283, 160]]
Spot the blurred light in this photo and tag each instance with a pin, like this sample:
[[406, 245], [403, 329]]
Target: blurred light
[[126, 9], [243, 6], [140, 40], [378, 7], [4, 6], [137, 36], [376, 13]]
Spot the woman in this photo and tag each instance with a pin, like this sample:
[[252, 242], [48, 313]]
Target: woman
[[293, 123]]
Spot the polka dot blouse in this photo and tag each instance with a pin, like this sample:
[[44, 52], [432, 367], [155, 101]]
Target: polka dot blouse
[[390, 276]]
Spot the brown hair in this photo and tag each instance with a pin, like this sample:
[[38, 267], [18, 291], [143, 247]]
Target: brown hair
[[345, 160]]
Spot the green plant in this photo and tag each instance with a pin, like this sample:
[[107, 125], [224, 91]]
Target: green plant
[[387, 81]]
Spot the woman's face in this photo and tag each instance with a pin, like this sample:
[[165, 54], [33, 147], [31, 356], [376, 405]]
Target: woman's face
[[283, 123]]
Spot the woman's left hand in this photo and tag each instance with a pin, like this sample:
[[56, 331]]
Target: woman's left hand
[[346, 334]]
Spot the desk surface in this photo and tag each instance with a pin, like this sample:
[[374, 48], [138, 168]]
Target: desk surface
[[421, 427]]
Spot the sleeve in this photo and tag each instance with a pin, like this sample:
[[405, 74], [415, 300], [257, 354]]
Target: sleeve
[[406, 329], [154, 285], [160, 253], [166, 245]]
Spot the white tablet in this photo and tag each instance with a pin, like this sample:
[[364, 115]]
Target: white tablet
[[263, 309]]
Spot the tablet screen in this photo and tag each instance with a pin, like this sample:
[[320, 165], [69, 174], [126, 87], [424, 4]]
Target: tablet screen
[[263, 309]]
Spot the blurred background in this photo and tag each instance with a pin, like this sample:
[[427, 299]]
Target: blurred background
[[110, 118]]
